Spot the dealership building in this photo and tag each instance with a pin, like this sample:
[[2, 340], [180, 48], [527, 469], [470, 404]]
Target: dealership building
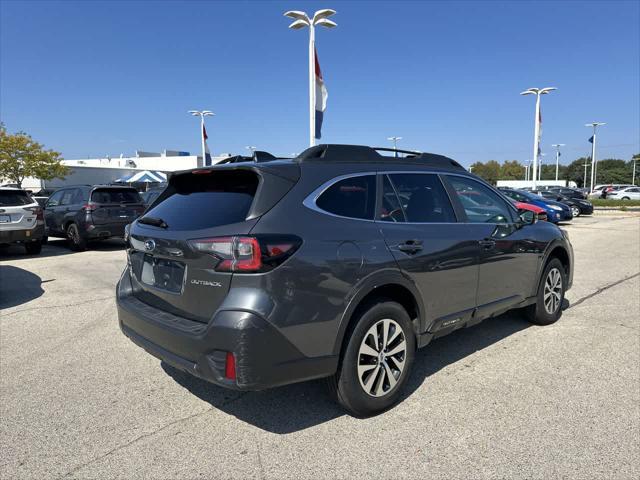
[[148, 166]]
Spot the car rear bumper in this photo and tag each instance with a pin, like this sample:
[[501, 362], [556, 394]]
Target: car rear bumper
[[106, 230], [8, 237], [586, 209], [264, 358]]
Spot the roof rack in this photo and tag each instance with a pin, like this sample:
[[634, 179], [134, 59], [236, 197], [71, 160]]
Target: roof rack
[[364, 154]]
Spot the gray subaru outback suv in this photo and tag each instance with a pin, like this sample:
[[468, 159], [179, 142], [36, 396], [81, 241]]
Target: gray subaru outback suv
[[339, 263]]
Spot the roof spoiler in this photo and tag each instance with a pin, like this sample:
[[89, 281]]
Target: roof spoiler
[[258, 156]]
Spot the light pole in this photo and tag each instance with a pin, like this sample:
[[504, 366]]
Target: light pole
[[584, 182], [301, 20], [203, 132], [395, 144], [251, 149], [633, 178], [557, 145], [540, 166], [536, 131], [595, 125]]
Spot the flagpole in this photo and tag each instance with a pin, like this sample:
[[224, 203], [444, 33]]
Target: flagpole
[[312, 86]]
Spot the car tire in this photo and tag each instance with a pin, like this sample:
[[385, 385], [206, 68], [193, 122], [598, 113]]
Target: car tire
[[550, 296], [367, 381], [44, 240], [75, 239], [33, 248], [626, 198], [575, 211]]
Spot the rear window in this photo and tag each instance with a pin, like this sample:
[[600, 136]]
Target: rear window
[[113, 195], [353, 197], [14, 198], [207, 200]]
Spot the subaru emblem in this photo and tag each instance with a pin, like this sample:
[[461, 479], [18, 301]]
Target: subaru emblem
[[149, 245]]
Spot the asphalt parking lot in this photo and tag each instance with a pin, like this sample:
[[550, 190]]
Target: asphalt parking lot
[[502, 399]]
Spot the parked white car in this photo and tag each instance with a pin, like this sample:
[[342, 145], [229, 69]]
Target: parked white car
[[627, 193], [21, 220], [610, 188]]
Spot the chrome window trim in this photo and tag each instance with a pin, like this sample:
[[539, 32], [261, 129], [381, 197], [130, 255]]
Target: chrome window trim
[[310, 200]]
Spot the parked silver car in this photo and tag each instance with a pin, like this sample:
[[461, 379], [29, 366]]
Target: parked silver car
[[627, 193]]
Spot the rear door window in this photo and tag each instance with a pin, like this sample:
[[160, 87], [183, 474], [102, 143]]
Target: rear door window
[[115, 195], [54, 200], [422, 197], [14, 198], [353, 197], [67, 197], [207, 200]]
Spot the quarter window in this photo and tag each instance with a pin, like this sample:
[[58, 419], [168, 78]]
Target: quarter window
[[421, 198], [480, 203], [353, 197]]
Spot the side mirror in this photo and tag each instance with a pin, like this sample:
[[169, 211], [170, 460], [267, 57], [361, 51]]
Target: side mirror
[[527, 217]]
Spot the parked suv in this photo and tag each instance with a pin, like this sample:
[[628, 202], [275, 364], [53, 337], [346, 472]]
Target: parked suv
[[339, 263], [84, 213], [21, 220]]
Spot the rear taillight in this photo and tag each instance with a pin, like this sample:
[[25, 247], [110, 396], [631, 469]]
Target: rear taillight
[[38, 211], [88, 207], [248, 254]]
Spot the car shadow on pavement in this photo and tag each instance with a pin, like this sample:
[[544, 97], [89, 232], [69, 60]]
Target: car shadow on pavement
[[18, 286], [296, 407], [59, 246]]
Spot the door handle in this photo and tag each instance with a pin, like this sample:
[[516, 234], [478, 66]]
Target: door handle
[[410, 246], [487, 244]]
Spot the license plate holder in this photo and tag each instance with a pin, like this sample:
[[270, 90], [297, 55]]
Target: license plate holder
[[162, 274]]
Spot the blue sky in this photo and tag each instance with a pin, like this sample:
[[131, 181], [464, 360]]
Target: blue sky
[[90, 78]]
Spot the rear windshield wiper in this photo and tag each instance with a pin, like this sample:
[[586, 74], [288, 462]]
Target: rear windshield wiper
[[156, 222]]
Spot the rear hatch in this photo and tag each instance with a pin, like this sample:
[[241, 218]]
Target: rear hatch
[[114, 205], [18, 211], [175, 261]]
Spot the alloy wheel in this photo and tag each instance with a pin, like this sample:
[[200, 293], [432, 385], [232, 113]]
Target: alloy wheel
[[552, 291], [74, 235], [575, 211], [381, 357]]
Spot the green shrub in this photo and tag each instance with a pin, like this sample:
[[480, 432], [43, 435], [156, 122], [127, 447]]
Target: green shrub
[[600, 202]]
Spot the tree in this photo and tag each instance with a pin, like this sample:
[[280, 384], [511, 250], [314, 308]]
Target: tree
[[21, 157], [613, 170], [575, 171], [490, 171], [512, 170]]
